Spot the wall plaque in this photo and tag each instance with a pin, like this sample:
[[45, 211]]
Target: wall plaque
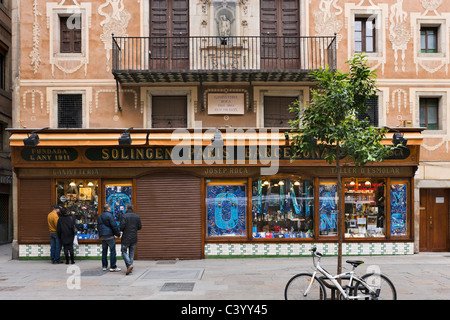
[[226, 103]]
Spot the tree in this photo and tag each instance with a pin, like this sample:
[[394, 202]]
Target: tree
[[330, 124]]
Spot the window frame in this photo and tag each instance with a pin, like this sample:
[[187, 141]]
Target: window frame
[[364, 37], [426, 107]]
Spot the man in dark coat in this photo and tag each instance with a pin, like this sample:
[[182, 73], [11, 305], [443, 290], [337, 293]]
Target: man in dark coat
[[107, 229], [66, 233], [130, 224]]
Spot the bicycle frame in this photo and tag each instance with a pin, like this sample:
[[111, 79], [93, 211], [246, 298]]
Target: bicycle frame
[[333, 279]]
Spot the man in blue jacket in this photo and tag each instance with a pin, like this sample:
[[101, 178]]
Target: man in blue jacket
[[130, 224], [107, 229]]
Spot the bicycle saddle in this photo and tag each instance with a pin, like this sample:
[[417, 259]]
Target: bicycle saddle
[[355, 263]]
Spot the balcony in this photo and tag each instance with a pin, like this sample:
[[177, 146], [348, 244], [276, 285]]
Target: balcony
[[214, 59]]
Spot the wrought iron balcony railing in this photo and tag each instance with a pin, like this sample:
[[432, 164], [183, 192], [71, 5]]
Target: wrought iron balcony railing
[[265, 58]]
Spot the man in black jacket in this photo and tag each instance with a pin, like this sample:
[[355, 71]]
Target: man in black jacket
[[107, 229], [130, 224]]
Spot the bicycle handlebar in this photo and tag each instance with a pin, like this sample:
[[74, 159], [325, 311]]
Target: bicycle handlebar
[[315, 252]]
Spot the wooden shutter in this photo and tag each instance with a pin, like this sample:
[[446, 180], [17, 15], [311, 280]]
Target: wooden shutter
[[280, 27], [169, 112], [169, 32], [35, 203], [276, 111], [169, 206], [70, 35]]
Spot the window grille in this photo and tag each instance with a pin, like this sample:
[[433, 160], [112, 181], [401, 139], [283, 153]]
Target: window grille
[[70, 108]]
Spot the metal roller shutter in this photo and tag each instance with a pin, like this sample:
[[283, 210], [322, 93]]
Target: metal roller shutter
[[35, 203], [170, 209]]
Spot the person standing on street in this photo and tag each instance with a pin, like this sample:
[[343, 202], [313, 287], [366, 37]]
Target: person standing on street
[[66, 233], [107, 229], [130, 224], [55, 244]]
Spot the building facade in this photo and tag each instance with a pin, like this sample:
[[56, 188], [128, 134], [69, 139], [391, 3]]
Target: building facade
[[6, 217], [183, 79]]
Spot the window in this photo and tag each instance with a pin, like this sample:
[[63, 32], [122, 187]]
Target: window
[[70, 107], [283, 208], [2, 71], [226, 208], [70, 37], [372, 112], [365, 203], [429, 39], [80, 198], [365, 35], [399, 208], [429, 113], [328, 204], [276, 111], [169, 112]]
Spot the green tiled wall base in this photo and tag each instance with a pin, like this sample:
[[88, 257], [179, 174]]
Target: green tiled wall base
[[43, 251], [245, 249], [302, 249]]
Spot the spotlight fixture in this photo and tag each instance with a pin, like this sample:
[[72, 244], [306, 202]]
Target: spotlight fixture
[[125, 138], [398, 138], [33, 139]]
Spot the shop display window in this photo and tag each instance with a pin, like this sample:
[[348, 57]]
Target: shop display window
[[283, 208], [328, 203], [226, 208], [80, 198], [365, 203], [118, 196], [399, 209]]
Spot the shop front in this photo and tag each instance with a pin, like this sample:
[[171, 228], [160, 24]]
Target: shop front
[[256, 203]]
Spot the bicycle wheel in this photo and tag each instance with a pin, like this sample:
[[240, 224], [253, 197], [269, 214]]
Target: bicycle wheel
[[383, 287], [298, 284]]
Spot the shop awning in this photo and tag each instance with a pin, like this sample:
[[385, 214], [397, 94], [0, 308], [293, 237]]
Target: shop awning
[[172, 137]]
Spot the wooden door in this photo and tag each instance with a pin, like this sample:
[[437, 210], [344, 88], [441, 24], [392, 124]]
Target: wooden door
[[169, 112], [169, 34], [280, 31], [169, 206], [434, 220]]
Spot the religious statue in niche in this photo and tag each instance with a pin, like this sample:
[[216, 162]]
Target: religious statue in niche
[[225, 13], [224, 26]]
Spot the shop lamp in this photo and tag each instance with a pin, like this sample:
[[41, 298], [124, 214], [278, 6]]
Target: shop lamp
[[90, 184], [33, 139], [266, 183], [367, 183], [125, 138], [72, 184], [281, 183], [398, 138], [296, 183]]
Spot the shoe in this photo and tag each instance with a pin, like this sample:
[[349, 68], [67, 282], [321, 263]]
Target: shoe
[[129, 269], [116, 269], [105, 269]]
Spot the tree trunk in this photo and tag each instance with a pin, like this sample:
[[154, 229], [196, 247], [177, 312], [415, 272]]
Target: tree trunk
[[340, 216]]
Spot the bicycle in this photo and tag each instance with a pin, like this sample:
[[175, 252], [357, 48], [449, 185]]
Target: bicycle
[[307, 286]]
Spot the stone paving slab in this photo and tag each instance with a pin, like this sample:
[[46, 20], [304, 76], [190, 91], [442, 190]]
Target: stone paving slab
[[424, 276]]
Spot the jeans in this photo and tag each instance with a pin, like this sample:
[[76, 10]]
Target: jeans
[[55, 247], [111, 244], [128, 253]]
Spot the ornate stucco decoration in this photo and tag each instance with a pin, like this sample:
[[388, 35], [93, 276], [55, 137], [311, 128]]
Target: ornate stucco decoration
[[399, 32], [115, 22], [34, 54], [326, 21], [431, 5]]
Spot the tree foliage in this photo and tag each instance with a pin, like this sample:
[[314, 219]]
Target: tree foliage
[[330, 122]]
